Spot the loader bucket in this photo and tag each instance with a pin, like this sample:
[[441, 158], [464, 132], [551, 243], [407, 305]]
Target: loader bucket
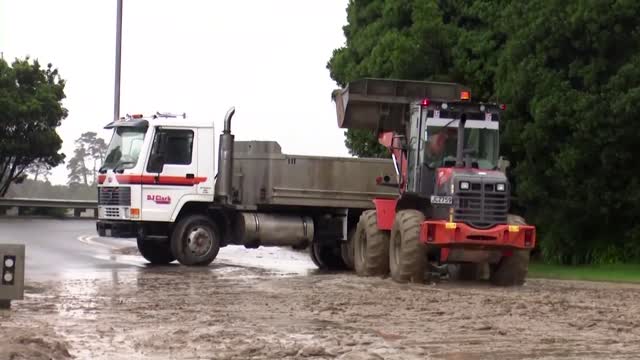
[[383, 104]]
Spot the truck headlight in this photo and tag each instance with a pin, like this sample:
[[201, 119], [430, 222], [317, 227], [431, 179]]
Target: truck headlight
[[500, 187], [464, 185]]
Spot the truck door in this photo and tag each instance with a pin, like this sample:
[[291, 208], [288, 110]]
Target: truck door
[[170, 173]]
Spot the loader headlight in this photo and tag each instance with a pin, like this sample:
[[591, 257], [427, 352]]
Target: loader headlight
[[8, 263], [8, 277], [500, 187], [464, 185]]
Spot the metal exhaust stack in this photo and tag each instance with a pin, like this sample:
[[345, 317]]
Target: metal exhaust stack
[[224, 187]]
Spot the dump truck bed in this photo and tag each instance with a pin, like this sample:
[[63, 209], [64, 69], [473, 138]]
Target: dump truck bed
[[263, 175]]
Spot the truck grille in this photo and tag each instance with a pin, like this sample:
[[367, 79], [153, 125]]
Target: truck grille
[[117, 195], [481, 206], [111, 212]]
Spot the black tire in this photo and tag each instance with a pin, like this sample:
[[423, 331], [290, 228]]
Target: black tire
[[407, 255], [465, 272], [155, 252], [511, 270], [200, 231], [326, 256], [370, 246], [346, 248]]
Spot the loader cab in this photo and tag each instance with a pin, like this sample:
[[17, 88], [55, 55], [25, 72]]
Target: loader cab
[[434, 133]]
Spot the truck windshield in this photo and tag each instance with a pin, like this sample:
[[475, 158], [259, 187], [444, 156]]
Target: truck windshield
[[441, 146], [124, 148]]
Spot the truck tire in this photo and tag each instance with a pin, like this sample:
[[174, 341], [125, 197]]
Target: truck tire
[[326, 257], [346, 248], [155, 252], [407, 255], [370, 246], [195, 240], [511, 270]]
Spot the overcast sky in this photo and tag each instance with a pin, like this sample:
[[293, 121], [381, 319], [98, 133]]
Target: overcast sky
[[266, 58]]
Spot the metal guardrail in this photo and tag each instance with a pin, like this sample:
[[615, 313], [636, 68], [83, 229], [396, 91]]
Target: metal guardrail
[[51, 203]]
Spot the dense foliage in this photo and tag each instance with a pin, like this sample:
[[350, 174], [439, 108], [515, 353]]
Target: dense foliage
[[570, 74], [30, 112]]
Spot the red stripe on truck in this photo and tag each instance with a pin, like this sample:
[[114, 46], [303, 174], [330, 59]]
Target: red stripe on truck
[[155, 180]]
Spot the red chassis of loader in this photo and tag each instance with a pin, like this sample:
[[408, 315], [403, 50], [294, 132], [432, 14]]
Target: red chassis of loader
[[447, 235]]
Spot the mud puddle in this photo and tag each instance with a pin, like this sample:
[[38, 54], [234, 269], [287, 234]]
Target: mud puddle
[[243, 308]]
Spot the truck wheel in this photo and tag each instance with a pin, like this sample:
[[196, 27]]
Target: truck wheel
[[155, 252], [346, 248], [407, 255], [326, 257], [511, 270], [195, 241], [370, 246]]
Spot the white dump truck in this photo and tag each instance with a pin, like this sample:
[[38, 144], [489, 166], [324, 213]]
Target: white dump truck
[[161, 185]]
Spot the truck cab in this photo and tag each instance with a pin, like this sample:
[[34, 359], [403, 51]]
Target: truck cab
[[154, 165]]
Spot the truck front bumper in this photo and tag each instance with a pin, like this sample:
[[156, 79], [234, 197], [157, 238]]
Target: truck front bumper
[[450, 234], [118, 229]]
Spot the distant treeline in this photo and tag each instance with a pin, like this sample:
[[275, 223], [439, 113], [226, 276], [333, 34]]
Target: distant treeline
[[45, 190]]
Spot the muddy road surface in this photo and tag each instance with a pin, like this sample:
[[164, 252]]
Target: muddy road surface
[[272, 304]]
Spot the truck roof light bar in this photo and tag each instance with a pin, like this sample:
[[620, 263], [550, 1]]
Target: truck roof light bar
[[169, 115]]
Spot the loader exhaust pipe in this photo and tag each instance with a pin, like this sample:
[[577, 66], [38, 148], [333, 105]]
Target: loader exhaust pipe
[[224, 186]]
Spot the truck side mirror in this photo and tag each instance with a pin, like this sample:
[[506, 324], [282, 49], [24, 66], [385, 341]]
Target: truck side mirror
[[503, 164]]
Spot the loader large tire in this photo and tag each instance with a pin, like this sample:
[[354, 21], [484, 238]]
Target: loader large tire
[[407, 255], [370, 246], [466, 272], [511, 270]]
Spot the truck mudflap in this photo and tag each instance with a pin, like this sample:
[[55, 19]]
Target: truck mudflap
[[449, 234]]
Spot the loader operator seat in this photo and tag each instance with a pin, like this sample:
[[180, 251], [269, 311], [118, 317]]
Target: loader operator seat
[[441, 148]]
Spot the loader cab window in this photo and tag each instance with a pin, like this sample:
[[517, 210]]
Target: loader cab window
[[171, 147], [441, 146]]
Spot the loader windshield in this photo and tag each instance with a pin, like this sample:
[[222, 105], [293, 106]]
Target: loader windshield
[[441, 145]]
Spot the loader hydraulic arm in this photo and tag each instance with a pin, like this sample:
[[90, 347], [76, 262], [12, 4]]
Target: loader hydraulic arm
[[394, 142]]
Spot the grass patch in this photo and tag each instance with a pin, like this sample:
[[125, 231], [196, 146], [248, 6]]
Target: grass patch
[[614, 273]]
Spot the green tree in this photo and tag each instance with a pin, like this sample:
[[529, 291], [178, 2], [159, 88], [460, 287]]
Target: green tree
[[38, 169], [568, 72], [406, 39], [89, 148], [30, 112], [78, 171]]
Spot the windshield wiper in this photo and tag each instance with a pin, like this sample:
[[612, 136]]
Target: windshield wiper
[[120, 163]]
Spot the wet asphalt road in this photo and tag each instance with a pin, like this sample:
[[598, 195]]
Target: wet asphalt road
[[63, 247]]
